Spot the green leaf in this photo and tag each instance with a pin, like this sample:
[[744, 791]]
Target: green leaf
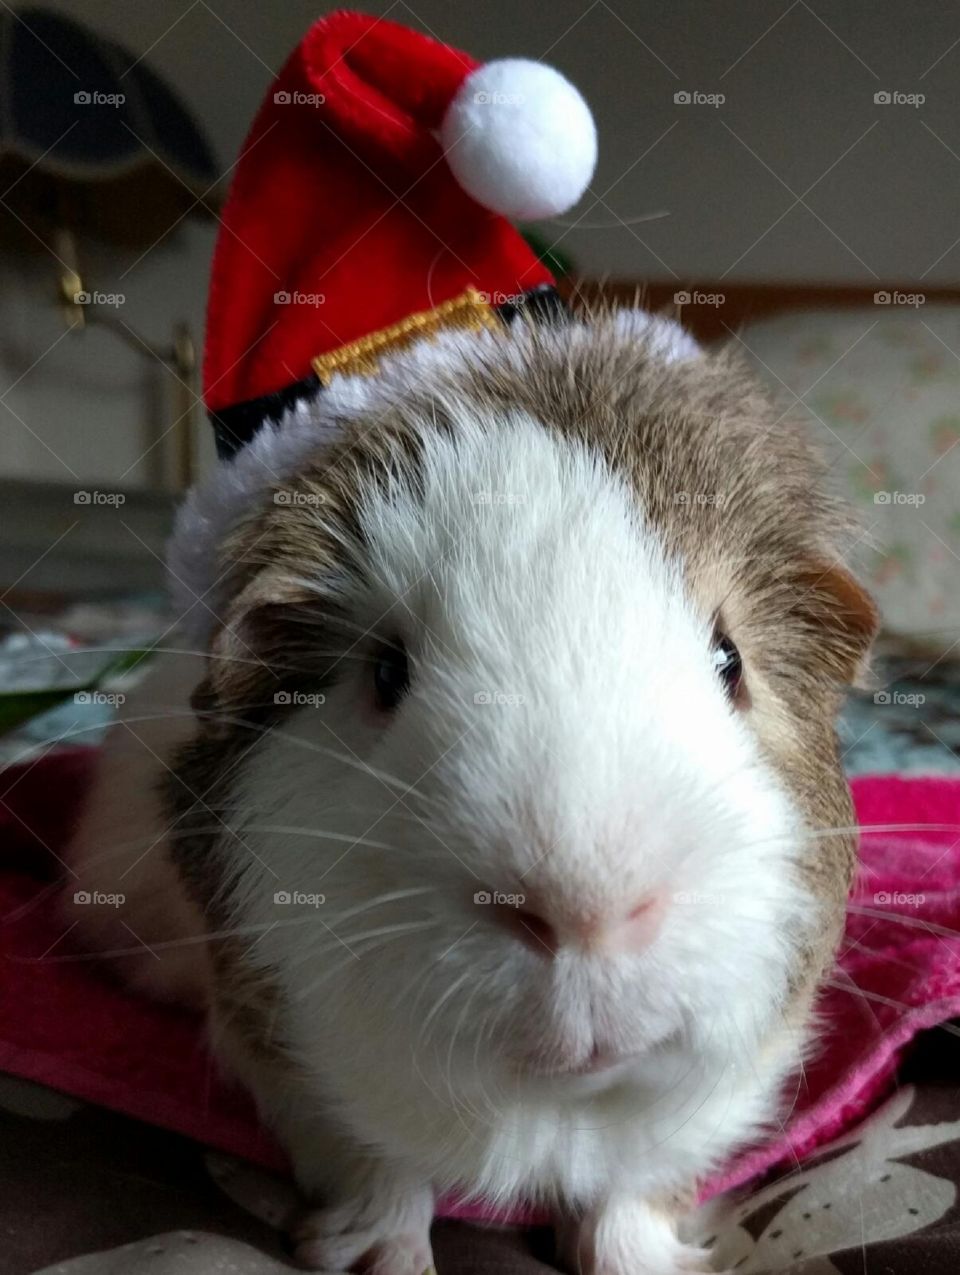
[[558, 263], [17, 707]]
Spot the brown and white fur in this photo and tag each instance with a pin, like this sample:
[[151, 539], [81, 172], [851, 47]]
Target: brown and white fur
[[557, 524]]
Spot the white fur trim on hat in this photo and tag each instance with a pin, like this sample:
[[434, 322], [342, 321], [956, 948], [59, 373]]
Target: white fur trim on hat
[[237, 488], [520, 139]]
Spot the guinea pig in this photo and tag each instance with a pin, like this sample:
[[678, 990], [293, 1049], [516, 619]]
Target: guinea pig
[[507, 838]]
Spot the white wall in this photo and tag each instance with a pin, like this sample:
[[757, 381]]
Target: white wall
[[799, 116]]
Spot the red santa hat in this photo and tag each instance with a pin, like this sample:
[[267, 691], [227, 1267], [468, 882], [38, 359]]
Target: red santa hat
[[369, 209]]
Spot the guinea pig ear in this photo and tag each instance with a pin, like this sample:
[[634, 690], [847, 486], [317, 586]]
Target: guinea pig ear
[[238, 681], [832, 600], [273, 642]]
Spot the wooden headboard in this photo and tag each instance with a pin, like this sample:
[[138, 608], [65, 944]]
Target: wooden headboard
[[745, 302]]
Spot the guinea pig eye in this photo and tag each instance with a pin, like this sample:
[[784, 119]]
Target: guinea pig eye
[[728, 664], [391, 675]]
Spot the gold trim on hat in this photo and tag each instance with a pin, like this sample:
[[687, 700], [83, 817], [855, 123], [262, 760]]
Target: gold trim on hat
[[469, 312]]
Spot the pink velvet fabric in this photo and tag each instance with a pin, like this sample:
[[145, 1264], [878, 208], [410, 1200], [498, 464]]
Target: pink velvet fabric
[[900, 975], [66, 1024]]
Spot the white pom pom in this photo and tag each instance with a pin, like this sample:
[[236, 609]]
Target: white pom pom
[[520, 139]]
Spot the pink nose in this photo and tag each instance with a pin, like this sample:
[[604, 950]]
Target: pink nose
[[628, 931]]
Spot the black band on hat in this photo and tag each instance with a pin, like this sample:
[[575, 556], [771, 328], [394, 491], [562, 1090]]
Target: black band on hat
[[234, 427], [543, 303]]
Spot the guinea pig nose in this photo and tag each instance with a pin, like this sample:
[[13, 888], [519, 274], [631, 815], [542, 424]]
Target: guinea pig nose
[[610, 932], [533, 930], [635, 929]]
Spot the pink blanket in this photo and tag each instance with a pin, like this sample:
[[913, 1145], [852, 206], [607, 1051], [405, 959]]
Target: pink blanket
[[64, 1025]]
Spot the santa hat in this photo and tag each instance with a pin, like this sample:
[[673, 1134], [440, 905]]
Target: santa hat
[[369, 210]]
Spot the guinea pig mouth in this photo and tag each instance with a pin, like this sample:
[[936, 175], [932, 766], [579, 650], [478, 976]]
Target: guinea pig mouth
[[599, 1062], [605, 1062]]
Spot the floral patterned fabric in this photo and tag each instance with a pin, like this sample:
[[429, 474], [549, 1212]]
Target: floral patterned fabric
[[880, 388], [120, 1198]]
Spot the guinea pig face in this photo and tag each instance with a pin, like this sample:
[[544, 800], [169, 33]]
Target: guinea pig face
[[527, 830]]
